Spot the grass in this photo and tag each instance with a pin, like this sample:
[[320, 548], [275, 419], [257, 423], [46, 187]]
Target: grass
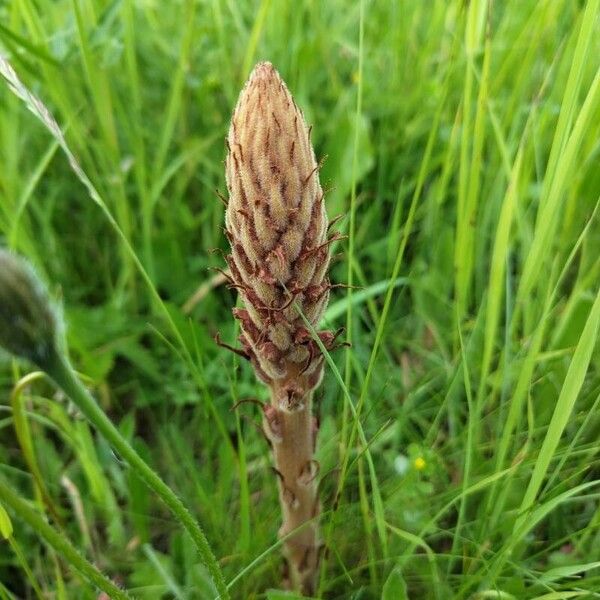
[[459, 433]]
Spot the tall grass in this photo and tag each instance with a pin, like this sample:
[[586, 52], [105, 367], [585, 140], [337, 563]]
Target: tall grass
[[459, 435]]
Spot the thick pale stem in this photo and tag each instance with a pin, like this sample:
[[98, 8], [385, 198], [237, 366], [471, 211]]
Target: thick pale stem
[[293, 438]]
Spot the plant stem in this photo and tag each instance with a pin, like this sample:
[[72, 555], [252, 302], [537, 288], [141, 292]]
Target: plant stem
[[61, 371], [292, 435], [59, 543]]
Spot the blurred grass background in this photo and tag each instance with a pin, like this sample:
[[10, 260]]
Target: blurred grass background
[[463, 149]]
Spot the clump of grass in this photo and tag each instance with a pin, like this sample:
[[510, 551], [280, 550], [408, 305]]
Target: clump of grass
[[277, 227]]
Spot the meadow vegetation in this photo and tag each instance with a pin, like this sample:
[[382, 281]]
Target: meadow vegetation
[[458, 445]]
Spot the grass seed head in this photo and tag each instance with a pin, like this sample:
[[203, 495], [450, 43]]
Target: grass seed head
[[277, 226], [29, 323]]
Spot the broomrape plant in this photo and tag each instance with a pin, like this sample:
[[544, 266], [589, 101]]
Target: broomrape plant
[[277, 227]]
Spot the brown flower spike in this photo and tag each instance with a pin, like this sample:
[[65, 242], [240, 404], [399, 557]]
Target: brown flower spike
[[277, 227]]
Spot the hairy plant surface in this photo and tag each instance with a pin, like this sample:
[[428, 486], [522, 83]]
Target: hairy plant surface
[[277, 227]]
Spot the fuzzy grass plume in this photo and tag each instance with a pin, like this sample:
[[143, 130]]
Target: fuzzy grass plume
[[277, 227], [30, 325], [30, 328]]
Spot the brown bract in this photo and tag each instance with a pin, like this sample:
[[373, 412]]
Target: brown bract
[[277, 228]]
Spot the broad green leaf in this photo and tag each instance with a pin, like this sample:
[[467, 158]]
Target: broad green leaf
[[567, 571], [394, 587]]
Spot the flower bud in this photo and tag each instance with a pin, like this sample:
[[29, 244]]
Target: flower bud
[[277, 227], [29, 323]]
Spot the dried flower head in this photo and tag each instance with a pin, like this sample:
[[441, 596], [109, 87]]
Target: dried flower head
[[29, 323], [277, 227]]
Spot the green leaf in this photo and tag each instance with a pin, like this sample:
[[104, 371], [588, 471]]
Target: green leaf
[[338, 309], [395, 587], [281, 595], [338, 168], [564, 406], [567, 571], [6, 528], [561, 595]]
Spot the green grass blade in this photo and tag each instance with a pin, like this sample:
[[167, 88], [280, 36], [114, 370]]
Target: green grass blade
[[564, 407]]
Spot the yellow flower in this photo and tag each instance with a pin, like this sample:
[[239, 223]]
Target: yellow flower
[[420, 463]]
